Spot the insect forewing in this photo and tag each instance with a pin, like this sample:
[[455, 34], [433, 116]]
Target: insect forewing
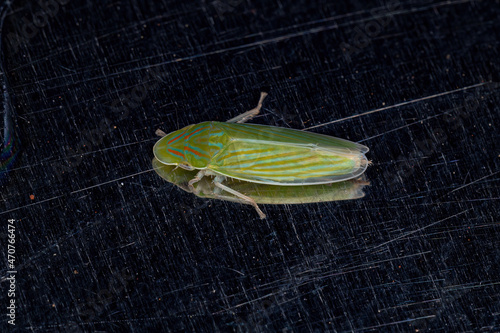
[[274, 155]]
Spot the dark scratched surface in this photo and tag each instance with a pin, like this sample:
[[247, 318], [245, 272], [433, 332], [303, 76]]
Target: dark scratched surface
[[105, 244]]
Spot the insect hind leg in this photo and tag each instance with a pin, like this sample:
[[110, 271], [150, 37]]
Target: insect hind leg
[[244, 199], [251, 113]]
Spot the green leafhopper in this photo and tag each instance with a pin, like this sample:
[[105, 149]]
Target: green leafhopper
[[259, 154]]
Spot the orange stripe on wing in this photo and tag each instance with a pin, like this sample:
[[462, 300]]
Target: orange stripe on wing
[[177, 137], [195, 152], [199, 129], [176, 153]]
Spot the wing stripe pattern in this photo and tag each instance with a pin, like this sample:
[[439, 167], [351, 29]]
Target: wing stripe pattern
[[285, 135], [175, 152], [196, 143], [294, 158]]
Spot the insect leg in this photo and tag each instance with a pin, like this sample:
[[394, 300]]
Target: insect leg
[[160, 133], [196, 179], [244, 198], [251, 113]]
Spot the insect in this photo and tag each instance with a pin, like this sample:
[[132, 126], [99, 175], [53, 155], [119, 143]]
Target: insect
[[259, 154]]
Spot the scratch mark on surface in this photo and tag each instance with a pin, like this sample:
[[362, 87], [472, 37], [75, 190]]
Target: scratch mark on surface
[[261, 42], [473, 182], [396, 323], [416, 230], [76, 191], [407, 125], [401, 104]]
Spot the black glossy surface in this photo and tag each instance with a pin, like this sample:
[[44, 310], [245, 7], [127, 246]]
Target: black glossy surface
[[106, 245]]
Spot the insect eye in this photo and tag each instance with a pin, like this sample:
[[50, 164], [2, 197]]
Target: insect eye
[[185, 166]]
